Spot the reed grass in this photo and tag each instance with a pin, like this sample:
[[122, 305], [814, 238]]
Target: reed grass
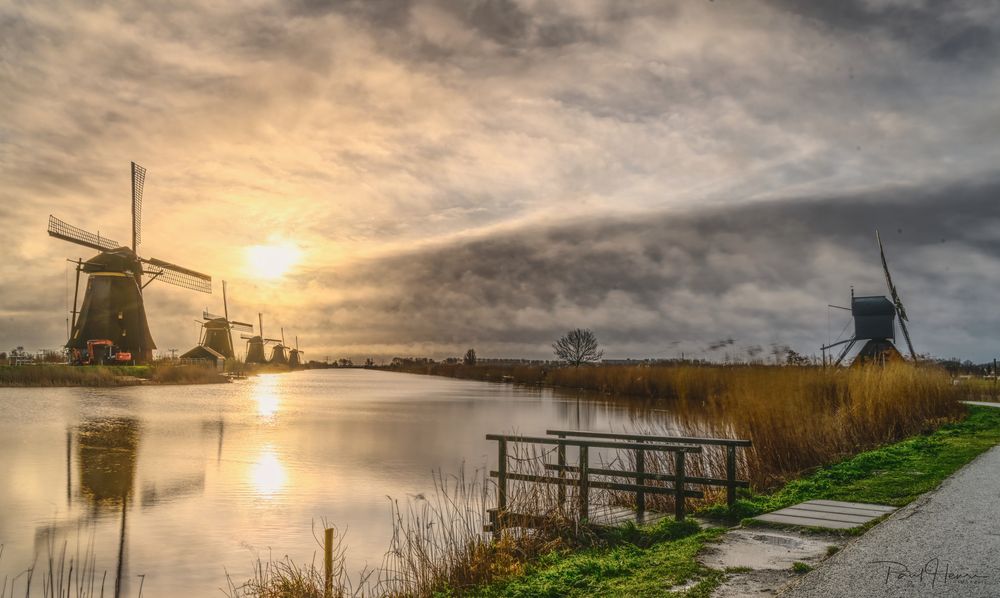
[[53, 375]]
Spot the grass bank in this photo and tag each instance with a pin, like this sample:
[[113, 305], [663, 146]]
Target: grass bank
[[52, 375], [895, 474]]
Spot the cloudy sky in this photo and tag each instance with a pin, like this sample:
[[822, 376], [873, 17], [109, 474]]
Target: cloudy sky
[[426, 176]]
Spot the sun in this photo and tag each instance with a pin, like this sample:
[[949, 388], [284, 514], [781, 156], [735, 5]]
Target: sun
[[271, 261]]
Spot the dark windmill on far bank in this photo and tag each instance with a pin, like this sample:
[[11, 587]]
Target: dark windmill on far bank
[[112, 315], [295, 356], [874, 322], [255, 344], [217, 334]]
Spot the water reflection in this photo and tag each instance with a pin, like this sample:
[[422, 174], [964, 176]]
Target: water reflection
[[106, 457], [265, 393], [267, 474]]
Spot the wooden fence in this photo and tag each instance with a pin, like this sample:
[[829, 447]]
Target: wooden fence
[[639, 443]]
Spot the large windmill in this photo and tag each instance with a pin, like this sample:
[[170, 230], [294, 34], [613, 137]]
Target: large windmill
[[112, 310], [874, 322], [217, 331]]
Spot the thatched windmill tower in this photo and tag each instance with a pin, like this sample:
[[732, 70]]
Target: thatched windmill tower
[[217, 331], [295, 356], [112, 307], [255, 344]]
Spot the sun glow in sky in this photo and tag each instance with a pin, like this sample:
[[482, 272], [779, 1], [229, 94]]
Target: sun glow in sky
[[271, 261]]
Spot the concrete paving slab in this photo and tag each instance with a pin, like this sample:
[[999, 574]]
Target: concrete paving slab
[[833, 514]]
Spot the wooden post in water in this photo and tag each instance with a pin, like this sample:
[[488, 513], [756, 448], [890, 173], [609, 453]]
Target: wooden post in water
[[328, 563], [730, 475], [561, 460], [679, 486], [584, 485], [640, 480], [501, 488]]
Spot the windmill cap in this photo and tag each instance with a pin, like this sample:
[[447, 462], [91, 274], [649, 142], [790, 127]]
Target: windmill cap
[[872, 306]]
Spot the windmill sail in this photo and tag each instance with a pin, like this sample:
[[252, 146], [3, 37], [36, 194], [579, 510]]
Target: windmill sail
[[68, 232], [897, 302], [177, 275], [138, 179]]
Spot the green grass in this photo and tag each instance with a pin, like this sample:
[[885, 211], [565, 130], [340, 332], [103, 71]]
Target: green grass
[[892, 475], [637, 562], [621, 568]]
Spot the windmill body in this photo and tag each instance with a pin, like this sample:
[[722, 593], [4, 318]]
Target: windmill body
[[112, 306], [112, 310]]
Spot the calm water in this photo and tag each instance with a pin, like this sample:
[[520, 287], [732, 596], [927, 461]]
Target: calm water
[[207, 477]]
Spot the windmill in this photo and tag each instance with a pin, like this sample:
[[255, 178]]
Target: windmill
[[217, 331], [295, 356], [255, 344], [278, 352], [874, 322], [112, 312]]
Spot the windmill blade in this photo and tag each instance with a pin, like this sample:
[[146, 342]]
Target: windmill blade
[[900, 310], [247, 337], [241, 326], [177, 275], [210, 316], [68, 232], [138, 179], [272, 340]]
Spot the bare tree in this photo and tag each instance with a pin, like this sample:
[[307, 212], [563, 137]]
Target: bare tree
[[470, 357], [577, 347]]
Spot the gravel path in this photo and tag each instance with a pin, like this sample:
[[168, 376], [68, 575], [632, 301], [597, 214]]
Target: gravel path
[[946, 543]]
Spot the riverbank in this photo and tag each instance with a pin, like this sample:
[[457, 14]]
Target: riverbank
[[849, 410], [58, 375], [895, 474]]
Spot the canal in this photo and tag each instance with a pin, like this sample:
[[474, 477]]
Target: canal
[[187, 483]]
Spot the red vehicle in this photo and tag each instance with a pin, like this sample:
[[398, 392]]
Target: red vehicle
[[103, 351]]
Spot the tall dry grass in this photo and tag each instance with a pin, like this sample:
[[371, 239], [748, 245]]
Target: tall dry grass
[[797, 417]]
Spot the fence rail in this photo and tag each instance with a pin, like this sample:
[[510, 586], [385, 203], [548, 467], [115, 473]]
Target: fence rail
[[641, 444]]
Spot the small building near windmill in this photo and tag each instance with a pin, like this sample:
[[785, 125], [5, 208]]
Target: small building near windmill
[[206, 354]]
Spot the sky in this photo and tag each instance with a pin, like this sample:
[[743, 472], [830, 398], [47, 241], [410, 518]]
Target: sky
[[421, 177]]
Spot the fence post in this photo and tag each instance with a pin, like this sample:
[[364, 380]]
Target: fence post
[[328, 563], [640, 480], [730, 475], [584, 485], [679, 486], [561, 454], [501, 487]]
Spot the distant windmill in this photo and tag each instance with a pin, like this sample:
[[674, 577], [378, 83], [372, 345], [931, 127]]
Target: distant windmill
[[295, 356], [874, 322], [112, 307], [255, 344], [278, 352], [217, 332]]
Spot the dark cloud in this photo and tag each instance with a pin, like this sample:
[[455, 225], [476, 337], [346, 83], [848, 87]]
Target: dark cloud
[[943, 30], [758, 274]]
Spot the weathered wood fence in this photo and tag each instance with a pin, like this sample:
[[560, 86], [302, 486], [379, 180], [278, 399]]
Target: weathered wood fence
[[583, 481]]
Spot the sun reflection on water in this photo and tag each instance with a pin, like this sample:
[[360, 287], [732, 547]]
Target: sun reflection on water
[[265, 393], [268, 474]]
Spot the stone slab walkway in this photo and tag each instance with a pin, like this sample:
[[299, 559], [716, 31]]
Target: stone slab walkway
[[831, 514], [946, 543]]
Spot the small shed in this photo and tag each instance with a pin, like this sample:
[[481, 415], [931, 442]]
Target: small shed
[[206, 353]]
